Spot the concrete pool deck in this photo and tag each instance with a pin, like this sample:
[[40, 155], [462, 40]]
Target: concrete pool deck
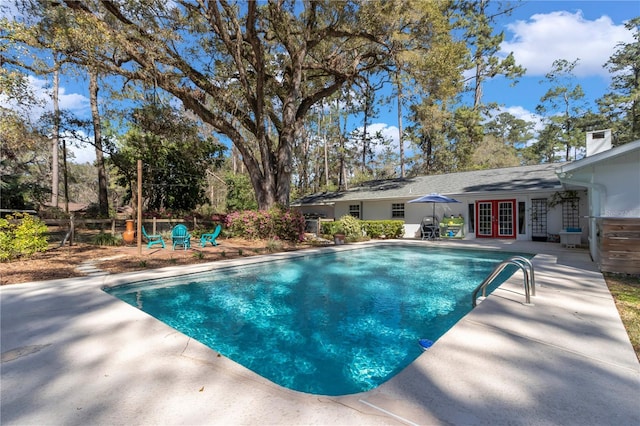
[[74, 355]]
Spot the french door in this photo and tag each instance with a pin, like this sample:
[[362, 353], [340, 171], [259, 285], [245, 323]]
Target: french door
[[496, 219]]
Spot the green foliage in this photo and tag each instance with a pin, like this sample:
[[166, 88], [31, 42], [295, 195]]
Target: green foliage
[[622, 105], [493, 153], [23, 160], [383, 228], [274, 245], [21, 235], [277, 223], [228, 82], [467, 131], [240, 195], [476, 19], [175, 157], [511, 133], [105, 239], [371, 228], [331, 228], [563, 103], [350, 227]]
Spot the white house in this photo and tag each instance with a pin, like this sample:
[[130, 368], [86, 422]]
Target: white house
[[526, 203], [611, 178], [598, 197]]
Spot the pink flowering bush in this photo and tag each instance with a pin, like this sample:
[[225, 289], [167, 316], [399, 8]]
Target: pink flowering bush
[[276, 223]]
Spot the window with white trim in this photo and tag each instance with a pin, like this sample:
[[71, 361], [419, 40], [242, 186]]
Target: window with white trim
[[354, 210], [397, 211]]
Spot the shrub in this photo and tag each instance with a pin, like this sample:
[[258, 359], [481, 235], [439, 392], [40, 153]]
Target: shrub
[[276, 223], [351, 227], [21, 235], [274, 245], [103, 239], [371, 228], [331, 228], [383, 228]]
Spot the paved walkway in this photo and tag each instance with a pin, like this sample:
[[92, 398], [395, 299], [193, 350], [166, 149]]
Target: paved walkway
[[72, 354]]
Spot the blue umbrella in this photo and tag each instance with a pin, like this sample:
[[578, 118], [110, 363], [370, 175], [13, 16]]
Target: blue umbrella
[[434, 198]]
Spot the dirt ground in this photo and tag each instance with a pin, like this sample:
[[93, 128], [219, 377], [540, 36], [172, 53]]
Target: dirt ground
[[62, 262]]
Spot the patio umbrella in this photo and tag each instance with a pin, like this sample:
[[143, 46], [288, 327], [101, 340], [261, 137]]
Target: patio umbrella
[[434, 198]]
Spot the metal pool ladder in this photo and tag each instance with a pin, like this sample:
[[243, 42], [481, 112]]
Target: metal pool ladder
[[529, 279]]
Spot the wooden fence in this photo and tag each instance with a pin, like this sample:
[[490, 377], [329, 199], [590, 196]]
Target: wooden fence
[[619, 245], [70, 228]]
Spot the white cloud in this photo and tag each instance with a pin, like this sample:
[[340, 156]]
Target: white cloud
[[524, 114], [537, 42], [388, 132], [73, 102], [83, 153]]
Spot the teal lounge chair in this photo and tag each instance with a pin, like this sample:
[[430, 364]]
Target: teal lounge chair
[[180, 237], [152, 239], [210, 238]]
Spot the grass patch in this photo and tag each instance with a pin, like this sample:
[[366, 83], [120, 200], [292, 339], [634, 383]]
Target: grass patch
[[625, 290], [274, 246]]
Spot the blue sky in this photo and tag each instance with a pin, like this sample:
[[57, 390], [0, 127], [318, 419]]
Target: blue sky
[[538, 32]]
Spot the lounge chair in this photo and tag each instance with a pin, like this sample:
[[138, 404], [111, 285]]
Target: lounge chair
[[152, 239], [210, 238], [180, 237], [430, 228]]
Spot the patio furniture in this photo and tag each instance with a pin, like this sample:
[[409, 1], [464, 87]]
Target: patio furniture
[[429, 228], [452, 227], [180, 237], [210, 238], [152, 239]]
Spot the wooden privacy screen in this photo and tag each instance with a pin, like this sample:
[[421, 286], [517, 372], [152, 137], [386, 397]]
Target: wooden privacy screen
[[619, 245]]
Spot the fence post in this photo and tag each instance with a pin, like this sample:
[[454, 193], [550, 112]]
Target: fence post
[[154, 226], [71, 229], [113, 227]]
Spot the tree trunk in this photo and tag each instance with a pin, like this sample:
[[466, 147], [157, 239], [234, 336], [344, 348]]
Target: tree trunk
[[400, 141], [55, 143], [103, 197]]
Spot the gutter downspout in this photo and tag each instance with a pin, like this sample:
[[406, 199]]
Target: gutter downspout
[[597, 195]]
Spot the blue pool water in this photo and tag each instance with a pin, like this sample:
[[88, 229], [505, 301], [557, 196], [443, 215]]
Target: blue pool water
[[330, 324]]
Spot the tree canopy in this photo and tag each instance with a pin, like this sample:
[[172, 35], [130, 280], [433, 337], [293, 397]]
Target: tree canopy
[[283, 82], [251, 70]]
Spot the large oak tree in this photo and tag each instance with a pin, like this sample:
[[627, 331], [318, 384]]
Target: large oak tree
[[252, 70]]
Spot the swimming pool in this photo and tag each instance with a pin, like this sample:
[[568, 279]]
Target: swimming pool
[[329, 324]]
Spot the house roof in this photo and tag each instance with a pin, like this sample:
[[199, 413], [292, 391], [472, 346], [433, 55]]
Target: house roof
[[511, 179], [600, 157]]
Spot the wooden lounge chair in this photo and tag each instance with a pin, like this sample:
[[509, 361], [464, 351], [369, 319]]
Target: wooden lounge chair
[[152, 239], [210, 238], [180, 237]]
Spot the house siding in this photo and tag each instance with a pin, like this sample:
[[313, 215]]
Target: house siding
[[414, 212]]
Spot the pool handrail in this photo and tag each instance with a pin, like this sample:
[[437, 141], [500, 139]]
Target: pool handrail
[[529, 280]]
